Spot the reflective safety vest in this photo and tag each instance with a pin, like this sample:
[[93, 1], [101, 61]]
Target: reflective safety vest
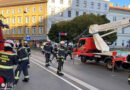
[[8, 59]]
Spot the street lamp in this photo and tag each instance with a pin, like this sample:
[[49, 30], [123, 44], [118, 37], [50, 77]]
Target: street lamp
[[24, 29]]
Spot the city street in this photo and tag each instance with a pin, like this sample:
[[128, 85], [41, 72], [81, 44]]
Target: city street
[[77, 76]]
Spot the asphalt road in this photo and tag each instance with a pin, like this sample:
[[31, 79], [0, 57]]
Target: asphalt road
[[78, 76]]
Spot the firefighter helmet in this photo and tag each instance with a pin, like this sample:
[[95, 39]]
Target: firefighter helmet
[[9, 43], [62, 42]]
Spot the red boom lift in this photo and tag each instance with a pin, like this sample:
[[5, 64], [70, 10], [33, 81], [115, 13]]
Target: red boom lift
[[95, 48]]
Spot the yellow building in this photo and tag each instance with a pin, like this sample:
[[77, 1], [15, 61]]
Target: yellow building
[[27, 19]]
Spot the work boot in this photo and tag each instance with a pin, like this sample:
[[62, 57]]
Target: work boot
[[60, 74], [47, 65], [25, 80]]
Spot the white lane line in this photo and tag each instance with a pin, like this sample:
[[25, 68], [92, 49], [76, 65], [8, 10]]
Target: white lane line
[[78, 88], [90, 87]]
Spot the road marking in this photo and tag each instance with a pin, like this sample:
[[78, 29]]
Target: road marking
[[90, 87], [78, 88]]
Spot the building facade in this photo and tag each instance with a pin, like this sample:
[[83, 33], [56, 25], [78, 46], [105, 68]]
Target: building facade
[[123, 35], [27, 19], [61, 10]]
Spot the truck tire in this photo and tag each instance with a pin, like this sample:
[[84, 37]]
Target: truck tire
[[109, 64], [83, 59]]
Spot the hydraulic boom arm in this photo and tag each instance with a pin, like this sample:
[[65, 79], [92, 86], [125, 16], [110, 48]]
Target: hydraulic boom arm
[[99, 42]]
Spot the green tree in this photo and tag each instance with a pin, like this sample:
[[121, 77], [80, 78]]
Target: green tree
[[75, 27]]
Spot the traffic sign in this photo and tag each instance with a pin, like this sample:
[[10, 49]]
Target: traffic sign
[[28, 38]]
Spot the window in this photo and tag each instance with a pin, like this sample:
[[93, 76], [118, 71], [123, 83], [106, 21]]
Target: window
[[40, 30], [27, 30], [19, 30], [19, 10], [3, 20], [69, 13], [3, 11], [123, 31], [27, 10], [33, 30], [34, 9], [77, 3], [81, 43], [85, 4], [34, 19], [14, 20], [84, 13], [123, 42], [53, 1], [8, 11], [106, 6], [13, 11], [77, 13], [8, 20], [61, 1], [19, 20], [114, 18], [99, 5], [92, 5], [40, 19], [40, 9], [69, 2], [123, 18], [14, 31], [52, 11], [27, 19], [61, 14], [8, 31]]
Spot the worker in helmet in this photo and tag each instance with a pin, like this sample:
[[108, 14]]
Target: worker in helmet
[[28, 50], [61, 57], [22, 65], [8, 58], [54, 52], [69, 51], [47, 51]]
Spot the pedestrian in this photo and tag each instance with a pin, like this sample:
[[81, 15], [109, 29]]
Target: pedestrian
[[54, 52], [61, 57], [69, 51], [22, 64], [47, 51], [28, 51], [8, 58]]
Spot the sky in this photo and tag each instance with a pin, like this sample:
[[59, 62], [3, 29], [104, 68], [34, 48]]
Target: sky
[[121, 2]]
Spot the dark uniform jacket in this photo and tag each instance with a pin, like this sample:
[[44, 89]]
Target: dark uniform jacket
[[8, 58], [61, 51], [47, 49], [55, 49], [23, 55]]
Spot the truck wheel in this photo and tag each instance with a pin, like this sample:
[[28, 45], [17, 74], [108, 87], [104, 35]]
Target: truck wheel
[[83, 59], [109, 65]]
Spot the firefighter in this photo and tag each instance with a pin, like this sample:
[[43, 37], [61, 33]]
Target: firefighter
[[48, 51], [128, 58], [22, 65], [69, 51], [28, 50], [54, 52], [61, 57], [8, 58]]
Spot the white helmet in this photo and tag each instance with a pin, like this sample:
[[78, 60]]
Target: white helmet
[[25, 42], [62, 42], [9, 43]]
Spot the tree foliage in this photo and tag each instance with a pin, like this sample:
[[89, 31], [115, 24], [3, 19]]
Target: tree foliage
[[75, 27]]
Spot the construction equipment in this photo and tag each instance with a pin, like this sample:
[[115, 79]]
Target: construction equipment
[[95, 48]]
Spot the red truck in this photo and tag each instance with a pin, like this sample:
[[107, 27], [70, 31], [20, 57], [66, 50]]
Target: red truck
[[95, 48]]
